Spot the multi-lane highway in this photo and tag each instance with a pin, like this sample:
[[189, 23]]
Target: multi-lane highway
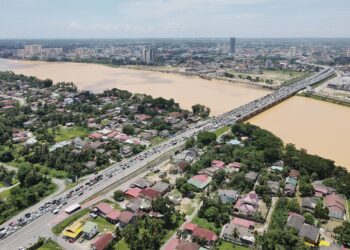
[[21, 234]]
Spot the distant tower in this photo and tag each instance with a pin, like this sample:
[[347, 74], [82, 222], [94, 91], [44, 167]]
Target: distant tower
[[268, 63], [232, 46], [292, 52], [348, 53]]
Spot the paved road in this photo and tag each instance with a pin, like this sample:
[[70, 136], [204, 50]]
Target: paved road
[[129, 166]]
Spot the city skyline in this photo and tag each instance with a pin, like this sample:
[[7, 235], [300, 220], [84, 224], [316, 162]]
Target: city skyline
[[174, 19]]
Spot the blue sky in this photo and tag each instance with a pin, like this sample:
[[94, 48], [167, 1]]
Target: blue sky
[[173, 18]]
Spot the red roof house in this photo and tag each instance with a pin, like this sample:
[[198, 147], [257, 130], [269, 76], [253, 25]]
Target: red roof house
[[104, 208], [102, 242], [133, 192], [243, 222], [142, 117], [190, 227], [217, 164], [336, 206], [95, 136], [294, 174], [113, 216], [125, 218], [150, 193], [204, 234]]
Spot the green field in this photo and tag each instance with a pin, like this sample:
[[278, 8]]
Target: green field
[[64, 134], [278, 76], [221, 130], [103, 225], [50, 245], [203, 223], [156, 140], [4, 194], [229, 246]]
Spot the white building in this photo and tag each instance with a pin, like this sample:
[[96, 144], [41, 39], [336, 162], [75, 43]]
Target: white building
[[292, 51]]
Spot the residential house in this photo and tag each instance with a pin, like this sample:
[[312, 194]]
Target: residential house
[[113, 216], [126, 151], [142, 183], [336, 206], [134, 205], [294, 174], [89, 230], [235, 142], [95, 136], [162, 187], [218, 164], [204, 234], [102, 242], [247, 205], [228, 196], [164, 133], [321, 190], [150, 194], [274, 187], [289, 190], [251, 176], [187, 245], [103, 209], [310, 234], [309, 203], [133, 192], [200, 181], [187, 156], [245, 236], [295, 221], [73, 231], [233, 167], [243, 223], [125, 218]]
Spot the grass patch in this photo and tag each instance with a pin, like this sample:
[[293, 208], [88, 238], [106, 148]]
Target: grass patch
[[325, 99], [64, 134], [156, 140], [229, 246], [5, 194], [203, 223], [103, 225], [50, 245], [221, 130], [68, 221], [121, 245]]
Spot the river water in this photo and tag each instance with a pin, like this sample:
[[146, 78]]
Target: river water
[[220, 96], [321, 128]]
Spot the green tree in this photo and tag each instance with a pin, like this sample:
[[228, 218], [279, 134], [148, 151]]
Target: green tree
[[342, 233], [128, 129], [206, 137]]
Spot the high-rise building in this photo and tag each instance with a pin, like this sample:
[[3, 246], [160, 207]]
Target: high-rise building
[[268, 63], [232, 46], [348, 53], [147, 55], [292, 51], [33, 50]]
